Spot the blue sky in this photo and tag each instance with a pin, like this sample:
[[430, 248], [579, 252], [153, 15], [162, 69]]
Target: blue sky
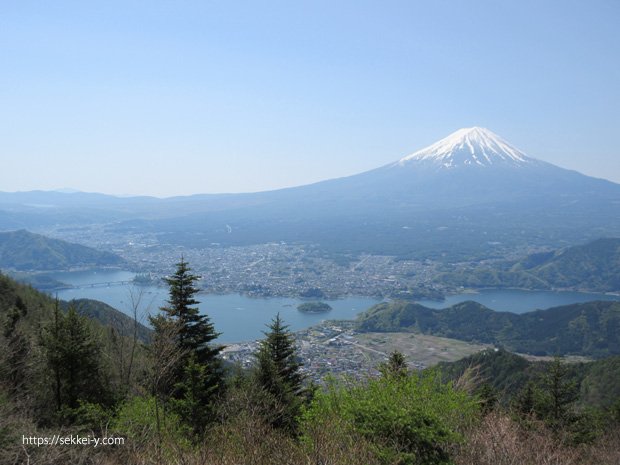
[[182, 97]]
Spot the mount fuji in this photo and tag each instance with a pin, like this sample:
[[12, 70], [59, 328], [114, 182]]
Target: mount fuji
[[471, 192], [470, 147], [470, 167], [464, 196]]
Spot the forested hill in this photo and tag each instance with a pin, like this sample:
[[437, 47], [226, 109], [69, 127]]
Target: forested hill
[[508, 374], [110, 317], [23, 302], [593, 267], [20, 303], [25, 251], [590, 329]]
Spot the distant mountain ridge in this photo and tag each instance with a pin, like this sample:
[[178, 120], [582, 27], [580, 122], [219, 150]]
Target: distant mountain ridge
[[589, 329], [25, 251], [464, 196]]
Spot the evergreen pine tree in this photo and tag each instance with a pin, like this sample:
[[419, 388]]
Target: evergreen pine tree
[[278, 373], [527, 400], [74, 359], [196, 393], [196, 378], [52, 343], [487, 396], [560, 391], [81, 356], [17, 349], [195, 330], [396, 365]]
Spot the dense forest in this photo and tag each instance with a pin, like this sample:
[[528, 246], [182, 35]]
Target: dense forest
[[167, 393]]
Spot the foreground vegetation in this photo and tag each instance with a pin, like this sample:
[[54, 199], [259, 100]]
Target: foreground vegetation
[[596, 384], [173, 400]]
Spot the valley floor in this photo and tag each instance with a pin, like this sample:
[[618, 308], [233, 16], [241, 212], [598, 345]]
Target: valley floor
[[336, 348]]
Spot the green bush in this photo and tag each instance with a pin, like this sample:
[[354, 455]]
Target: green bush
[[87, 416], [137, 419], [413, 419]]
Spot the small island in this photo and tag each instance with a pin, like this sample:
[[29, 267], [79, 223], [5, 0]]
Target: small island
[[314, 307]]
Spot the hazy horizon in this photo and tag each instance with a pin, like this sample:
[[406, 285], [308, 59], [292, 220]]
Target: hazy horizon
[[71, 190], [128, 99]]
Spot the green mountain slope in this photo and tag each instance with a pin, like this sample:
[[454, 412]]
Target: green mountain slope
[[25, 251], [109, 316], [590, 329], [593, 267], [35, 308], [508, 373]]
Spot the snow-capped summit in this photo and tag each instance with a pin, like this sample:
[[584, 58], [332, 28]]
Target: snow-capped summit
[[469, 146]]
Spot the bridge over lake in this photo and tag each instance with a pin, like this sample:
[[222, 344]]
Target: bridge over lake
[[91, 285]]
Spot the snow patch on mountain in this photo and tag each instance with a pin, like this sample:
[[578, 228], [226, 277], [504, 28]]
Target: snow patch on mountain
[[469, 146]]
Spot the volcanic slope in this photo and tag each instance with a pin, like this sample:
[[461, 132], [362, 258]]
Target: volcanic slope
[[462, 196]]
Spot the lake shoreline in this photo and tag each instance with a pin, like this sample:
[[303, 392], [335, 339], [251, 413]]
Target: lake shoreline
[[242, 318]]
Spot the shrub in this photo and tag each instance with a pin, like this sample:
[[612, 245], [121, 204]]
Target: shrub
[[412, 419], [146, 423]]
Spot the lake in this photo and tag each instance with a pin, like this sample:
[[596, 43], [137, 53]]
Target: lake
[[519, 301], [237, 317], [241, 318]]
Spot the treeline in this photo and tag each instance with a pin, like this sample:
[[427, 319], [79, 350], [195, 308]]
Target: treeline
[[175, 401], [596, 384], [589, 329]]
